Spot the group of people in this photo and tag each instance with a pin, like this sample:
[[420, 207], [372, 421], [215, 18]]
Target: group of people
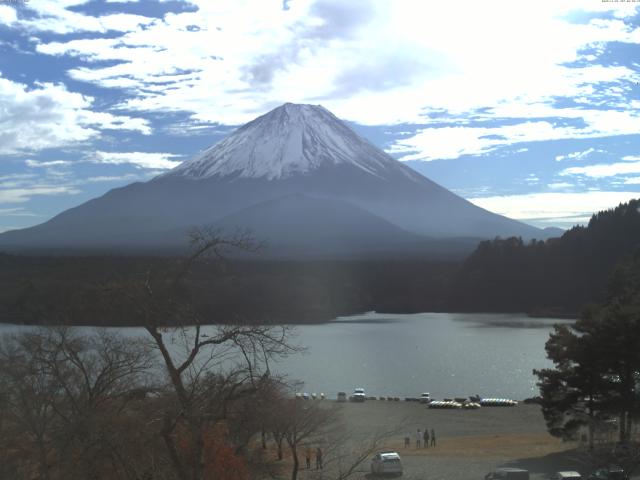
[[422, 438], [318, 458]]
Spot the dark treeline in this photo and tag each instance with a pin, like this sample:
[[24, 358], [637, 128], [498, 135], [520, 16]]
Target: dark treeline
[[555, 277], [558, 276], [234, 292]]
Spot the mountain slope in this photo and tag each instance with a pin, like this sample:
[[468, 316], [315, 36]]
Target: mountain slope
[[297, 224], [294, 149]]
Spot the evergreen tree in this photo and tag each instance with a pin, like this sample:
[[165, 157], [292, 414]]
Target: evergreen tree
[[597, 362]]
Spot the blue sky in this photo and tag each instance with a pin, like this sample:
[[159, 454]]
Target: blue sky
[[529, 109]]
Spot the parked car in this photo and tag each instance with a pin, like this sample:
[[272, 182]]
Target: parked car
[[386, 463], [566, 475], [358, 395], [342, 396], [612, 472], [425, 398], [508, 474]]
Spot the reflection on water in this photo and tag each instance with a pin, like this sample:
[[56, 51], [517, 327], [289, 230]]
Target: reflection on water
[[488, 320], [365, 320]]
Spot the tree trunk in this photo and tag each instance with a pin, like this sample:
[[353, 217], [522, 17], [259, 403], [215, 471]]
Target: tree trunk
[[171, 447], [264, 439], [296, 463], [198, 457], [623, 427], [44, 465], [591, 422], [279, 442]]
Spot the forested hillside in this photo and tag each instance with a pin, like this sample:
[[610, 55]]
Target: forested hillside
[[557, 276]]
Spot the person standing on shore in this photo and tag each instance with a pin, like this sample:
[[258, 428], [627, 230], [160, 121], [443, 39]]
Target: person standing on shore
[[418, 438], [426, 438], [308, 458], [407, 440], [433, 438], [318, 459]]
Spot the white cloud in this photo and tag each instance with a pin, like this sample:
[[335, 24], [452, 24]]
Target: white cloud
[[225, 66], [15, 177], [603, 170], [55, 16], [452, 142], [111, 178], [577, 155], [560, 185], [16, 212], [160, 161], [49, 116], [631, 158], [108, 121], [532, 179], [632, 181], [46, 164], [24, 194], [18, 188], [7, 15], [553, 207]]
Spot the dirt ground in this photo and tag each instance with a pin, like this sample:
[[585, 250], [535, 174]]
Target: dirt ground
[[469, 443]]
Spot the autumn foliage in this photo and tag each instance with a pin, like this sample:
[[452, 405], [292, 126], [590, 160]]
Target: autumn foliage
[[220, 459]]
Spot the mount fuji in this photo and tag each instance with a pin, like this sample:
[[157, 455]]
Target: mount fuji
[[297, 177]]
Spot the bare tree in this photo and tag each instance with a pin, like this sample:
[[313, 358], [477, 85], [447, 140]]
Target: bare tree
[[348, 455], [209, 368], [306, 421], [66, 396], [98, 406], [308, 424], [28, 400]]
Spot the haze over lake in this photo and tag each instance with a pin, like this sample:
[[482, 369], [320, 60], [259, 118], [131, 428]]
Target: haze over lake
[[446, 354]]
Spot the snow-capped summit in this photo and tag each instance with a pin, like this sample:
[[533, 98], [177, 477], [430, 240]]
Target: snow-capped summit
[[296, 177], [291, 139]]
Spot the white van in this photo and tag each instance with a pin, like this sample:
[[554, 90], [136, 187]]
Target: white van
[[358, 395], [386, 463]]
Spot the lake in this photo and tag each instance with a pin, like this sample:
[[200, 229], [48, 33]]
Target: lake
[[446, 354]]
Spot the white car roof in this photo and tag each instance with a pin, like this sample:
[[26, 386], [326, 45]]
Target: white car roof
[[389, 455], [568, 474]]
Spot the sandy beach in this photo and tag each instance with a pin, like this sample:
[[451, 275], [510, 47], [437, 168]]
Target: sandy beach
[[470, 443]]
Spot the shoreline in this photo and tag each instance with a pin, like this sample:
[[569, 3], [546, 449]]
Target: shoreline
[[335, 319]]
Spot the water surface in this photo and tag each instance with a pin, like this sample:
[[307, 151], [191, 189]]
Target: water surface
[[442, 353], [445, 354]]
